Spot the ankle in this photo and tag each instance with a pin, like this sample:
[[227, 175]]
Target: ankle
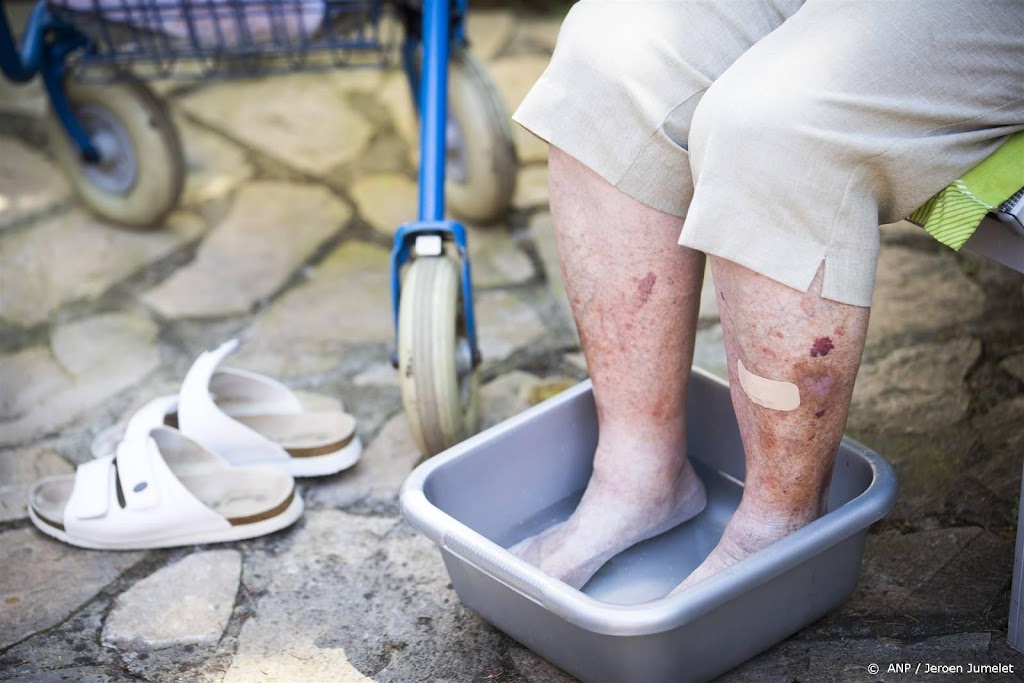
[[753, 528], [643, 475]]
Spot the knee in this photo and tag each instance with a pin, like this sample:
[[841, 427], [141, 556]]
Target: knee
[[611, 43], [739, 117]]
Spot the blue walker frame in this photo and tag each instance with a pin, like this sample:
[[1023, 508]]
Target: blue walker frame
[[431, 98], [48, 41], [47, 58]]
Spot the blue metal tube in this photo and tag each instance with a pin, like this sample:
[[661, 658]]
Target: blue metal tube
[[22, 67], [45, 57], [404, 240], [433, 110], [460, 27], [53, 80]]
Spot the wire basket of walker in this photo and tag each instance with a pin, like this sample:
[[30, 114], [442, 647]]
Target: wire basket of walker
[[203, 38], [115, 138]]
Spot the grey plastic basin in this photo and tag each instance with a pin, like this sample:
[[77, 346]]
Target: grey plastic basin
[[521, 476]]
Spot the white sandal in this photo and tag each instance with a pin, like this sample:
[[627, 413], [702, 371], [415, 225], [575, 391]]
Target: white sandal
[[247, 418], [162, 490]]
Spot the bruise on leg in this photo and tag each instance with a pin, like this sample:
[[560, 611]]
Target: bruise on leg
[[821, 347], [810, 437], [644, 287], [826, 383]]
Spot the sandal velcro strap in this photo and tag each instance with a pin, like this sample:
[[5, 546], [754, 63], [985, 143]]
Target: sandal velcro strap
[[94, 481], [136, 474], [138, 456], [203, 421], [236, 386]]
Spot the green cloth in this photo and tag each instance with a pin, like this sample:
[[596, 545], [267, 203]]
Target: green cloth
[[952, 215]]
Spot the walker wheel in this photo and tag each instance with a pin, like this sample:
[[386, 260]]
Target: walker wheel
[[481, 154], [141, 171], [435, 362]]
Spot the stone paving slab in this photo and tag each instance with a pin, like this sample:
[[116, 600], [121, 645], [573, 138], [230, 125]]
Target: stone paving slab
[[376, 479], [902, 381], [343, 301], [29, 182], [395, 96], [543, 233], [329, 608], [23, 98], [1001, 433], [901, 568], [90, 360], [385, 200], [535, 669], [73, 256], [20, 468], [849, 660], [303, 120], [1014, 365], [532, 188], [540, 34], [920, 292], [215, 166], [185, 603], [245, 259], [505, 396], [78, 674], [490, 32], [43, 581], [505, 323], [498, 258]]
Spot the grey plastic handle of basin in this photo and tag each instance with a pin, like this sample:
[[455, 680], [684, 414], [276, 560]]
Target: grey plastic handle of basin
[[494, 560]]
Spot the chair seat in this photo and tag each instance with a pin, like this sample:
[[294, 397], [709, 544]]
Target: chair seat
[[993, 187]]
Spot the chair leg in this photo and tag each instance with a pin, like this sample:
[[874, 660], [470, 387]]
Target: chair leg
[[1015, 634]]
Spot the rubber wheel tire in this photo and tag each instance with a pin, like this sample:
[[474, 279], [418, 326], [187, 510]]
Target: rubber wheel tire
[[441, 407], [145, 139], [488, 154]]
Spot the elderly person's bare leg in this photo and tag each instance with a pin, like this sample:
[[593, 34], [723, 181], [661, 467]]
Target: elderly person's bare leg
[[635, 295], [793, 358]]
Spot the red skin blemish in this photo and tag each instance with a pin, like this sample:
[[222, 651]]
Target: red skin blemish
[[820, 413], [645, 286], [822, 345]]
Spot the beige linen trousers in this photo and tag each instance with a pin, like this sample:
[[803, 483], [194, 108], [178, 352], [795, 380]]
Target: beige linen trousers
[[784, 131]]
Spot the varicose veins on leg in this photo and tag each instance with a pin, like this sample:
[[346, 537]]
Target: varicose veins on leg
[[634, 294], [793, 358]]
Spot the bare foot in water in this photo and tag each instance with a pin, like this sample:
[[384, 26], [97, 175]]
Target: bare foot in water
[[612, 516], [745, 534]]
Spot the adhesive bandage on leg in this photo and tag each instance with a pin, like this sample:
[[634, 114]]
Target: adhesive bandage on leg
[[768, 393]]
